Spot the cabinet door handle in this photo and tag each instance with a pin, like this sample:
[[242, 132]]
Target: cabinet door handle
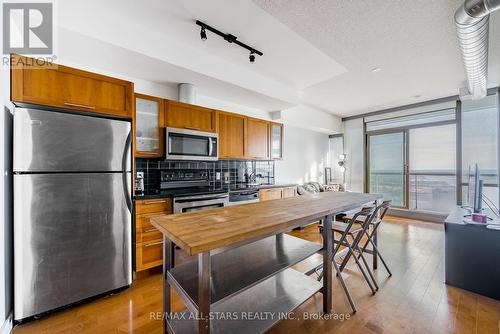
[[78, 105], [158, 201], [153, 244], [152, 229]]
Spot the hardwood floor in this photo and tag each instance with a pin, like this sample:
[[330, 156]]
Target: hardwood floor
[[413, 300]]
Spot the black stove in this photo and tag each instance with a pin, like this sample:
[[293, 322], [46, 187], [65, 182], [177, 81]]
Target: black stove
[[184, 183]]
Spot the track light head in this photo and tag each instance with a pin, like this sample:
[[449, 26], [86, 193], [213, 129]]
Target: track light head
[[251, 57], [203, 34]]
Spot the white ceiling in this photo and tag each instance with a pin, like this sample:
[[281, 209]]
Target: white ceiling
[[318, 53], [414, 44]]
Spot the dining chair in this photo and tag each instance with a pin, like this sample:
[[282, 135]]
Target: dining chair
[[347, 230]]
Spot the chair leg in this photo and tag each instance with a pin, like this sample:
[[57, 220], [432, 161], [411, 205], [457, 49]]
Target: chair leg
[[380, 257], [367, 268], [344, 286], [362, 271], [375, 249]]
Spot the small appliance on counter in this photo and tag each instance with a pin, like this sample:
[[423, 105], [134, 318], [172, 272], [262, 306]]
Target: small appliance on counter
[[139, 183]]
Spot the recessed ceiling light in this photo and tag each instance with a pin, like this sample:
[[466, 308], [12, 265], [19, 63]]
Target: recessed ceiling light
[[376, 69]]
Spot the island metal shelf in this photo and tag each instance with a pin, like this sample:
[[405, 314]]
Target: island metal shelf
[[241, 268], [256, 309]]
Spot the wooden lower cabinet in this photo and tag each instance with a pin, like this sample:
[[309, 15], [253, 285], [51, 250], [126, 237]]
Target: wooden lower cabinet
[[149, 255], [148, 240], [277, 193], [270, 194], [289, 192]]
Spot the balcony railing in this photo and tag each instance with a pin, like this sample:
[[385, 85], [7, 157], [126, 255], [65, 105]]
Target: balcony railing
[[435, 192]]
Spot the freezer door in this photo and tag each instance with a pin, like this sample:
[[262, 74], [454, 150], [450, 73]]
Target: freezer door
[[48, 141], [72, 239]]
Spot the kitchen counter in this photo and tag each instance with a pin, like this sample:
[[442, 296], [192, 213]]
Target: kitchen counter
[[244, 260]]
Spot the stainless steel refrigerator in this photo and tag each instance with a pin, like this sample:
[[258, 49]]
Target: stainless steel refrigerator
[[72, 208]]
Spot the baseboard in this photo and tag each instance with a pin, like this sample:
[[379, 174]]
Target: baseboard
[[7, 325], [418, 215]]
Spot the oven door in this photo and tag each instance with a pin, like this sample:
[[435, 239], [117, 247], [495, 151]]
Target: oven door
[[191, 145], [202, 202]]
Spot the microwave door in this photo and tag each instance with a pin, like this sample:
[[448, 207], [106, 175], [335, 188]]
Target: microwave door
[[190, 145]]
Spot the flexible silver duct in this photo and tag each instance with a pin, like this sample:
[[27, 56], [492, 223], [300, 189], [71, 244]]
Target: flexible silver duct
[[472, 22]]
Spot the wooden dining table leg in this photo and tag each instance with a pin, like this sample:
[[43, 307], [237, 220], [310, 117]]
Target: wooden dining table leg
[[327, 264]]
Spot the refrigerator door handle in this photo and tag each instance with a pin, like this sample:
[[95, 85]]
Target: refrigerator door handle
[[126, 191]]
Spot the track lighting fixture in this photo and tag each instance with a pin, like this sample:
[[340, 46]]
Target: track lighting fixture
[[229, 38], [203, 34]]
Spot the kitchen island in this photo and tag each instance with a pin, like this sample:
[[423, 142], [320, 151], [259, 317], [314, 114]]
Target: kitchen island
[[244, 261]]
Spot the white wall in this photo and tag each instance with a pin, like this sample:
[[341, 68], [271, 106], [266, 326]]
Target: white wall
[[336, 149], [310, 118], [353, 148], [306, 154]]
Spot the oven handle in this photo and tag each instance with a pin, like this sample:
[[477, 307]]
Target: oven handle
[[201, 199]]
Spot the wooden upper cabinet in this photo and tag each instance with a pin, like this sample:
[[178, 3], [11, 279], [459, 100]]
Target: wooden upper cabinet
[[69, 88], [149, 124], [256, 138], [187, 116], [231, 129]]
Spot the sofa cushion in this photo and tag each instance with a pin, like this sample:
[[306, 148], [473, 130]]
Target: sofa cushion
[[309, 188]]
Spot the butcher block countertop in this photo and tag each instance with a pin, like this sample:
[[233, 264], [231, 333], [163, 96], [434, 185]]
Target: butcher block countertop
[[203, 231]]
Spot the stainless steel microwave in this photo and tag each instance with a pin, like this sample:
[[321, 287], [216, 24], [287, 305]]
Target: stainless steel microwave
[[185, 144]]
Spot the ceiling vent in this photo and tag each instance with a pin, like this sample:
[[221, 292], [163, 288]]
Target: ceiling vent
[[472, 23], [187, 93]]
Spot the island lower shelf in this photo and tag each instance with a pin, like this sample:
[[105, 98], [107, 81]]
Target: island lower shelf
[[241, 268], [256, 309]]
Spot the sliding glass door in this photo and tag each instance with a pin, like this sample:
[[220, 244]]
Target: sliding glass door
[[415, 167], [387, 172], [432, 172]]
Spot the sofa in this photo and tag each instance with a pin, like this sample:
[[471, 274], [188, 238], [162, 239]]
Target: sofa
[[314, 188]]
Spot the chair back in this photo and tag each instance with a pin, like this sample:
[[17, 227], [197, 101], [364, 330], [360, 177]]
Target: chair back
[[368, 213], [382, 209]]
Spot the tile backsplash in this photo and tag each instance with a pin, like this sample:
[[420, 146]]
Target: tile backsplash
[[222, 173]]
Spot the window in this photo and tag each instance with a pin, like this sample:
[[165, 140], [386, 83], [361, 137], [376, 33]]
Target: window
[[480, 136]]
